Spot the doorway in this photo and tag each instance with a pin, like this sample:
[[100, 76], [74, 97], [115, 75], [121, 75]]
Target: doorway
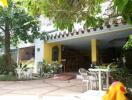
[[73, 59]]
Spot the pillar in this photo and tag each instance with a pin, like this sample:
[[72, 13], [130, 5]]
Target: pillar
[[94, 51], [59, 57], [39, 48]]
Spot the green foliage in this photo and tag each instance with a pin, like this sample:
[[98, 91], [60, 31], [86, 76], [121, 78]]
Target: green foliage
[[24, 67], [128, 56], [129, 94], [1, 41], [124, 7], [65, 13], [20, 24], [46, 67], [16, 25], [92, 21], [128, 44], [56, 67], [123, 75], [3, 69], [7, 78], [120, 4], [50, 69], [128, 52], [2, 64]]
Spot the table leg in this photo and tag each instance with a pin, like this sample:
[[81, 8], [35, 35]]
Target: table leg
[[100, 85], [107, 79]]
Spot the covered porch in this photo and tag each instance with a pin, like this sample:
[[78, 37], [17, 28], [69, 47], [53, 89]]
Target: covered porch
[[83, 48]]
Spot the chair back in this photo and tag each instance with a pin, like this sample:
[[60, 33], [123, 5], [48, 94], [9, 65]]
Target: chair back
[[93, 75], [84, 73]]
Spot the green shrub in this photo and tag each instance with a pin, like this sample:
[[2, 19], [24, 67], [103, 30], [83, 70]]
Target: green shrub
[[7, 78], [123, 75], [129, 94], [49, 69], [3, 68], [56, 67], [21, 66], [14, 78], [128, 55], [2, 64]]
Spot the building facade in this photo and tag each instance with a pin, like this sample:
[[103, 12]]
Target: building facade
[[96, 46]]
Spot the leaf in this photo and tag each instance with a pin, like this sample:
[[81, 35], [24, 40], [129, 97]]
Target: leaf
[[64, 13], [128, 44], [120, 4]]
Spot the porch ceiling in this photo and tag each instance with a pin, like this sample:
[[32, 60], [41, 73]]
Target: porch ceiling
[[105, 40]]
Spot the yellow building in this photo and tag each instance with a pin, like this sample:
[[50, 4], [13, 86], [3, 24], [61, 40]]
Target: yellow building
[[96, 46], [83, 48]]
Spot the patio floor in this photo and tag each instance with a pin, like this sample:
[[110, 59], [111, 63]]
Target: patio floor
[[47, 89], [39, 88]]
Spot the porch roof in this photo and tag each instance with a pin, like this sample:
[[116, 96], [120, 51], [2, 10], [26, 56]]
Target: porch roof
[[81, 39]]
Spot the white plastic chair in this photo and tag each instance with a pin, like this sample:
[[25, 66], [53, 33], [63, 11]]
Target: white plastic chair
[[90, 78], [93, 77], [85, 78]]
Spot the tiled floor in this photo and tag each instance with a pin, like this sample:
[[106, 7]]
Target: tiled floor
[[38, 89], [48, 89]]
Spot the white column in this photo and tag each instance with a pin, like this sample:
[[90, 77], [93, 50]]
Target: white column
[[39, 53]]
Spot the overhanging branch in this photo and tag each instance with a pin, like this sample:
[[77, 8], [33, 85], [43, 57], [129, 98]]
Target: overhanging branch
[[2, 29]]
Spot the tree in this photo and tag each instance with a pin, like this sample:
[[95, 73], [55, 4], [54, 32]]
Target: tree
[[128, 44], [124, 7], [65, 13], [15, 25]]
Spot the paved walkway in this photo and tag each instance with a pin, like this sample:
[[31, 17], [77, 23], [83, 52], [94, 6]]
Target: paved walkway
[[39, 89]]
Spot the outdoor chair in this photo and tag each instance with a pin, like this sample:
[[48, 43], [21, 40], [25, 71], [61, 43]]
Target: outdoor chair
[[89, 78], [103, 77], [93, 77], [85, 78]]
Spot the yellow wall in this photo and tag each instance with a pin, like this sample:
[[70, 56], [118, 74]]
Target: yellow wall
[[48, 51], [94, 51]]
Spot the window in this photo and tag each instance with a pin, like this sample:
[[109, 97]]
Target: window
[[55, 53]]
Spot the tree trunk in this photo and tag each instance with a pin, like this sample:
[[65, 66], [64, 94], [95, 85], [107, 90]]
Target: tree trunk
[[7, 47]]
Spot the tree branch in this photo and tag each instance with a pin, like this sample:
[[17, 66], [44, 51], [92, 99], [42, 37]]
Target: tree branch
[[2, 29]]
